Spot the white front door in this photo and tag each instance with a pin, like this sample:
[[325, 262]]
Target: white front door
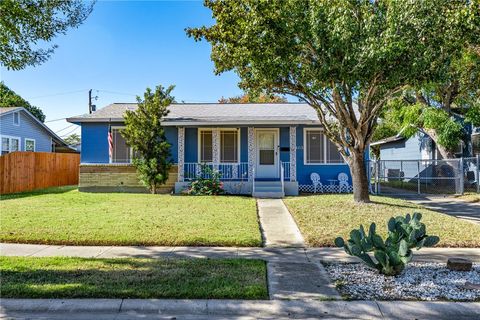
[[267, 153]]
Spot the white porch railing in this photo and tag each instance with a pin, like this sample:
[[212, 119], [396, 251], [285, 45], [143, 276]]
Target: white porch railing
[[228, 171], [286, 170]]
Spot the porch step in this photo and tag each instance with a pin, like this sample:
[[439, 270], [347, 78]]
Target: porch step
[[268, 189], [268, 195]]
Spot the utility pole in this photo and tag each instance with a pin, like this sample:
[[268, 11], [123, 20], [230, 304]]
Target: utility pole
[[91, 107], [90, 101]]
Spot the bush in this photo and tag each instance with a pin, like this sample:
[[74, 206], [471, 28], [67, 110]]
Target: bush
[[393, 254], [207, 183]]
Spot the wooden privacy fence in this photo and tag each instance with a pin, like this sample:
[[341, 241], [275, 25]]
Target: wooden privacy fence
[[26, 171]]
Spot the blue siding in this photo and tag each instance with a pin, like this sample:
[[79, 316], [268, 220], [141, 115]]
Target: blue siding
[[284, 143], [94, 143], [28, 129], [244, 144], [326, 171], [417, 147], [191, 142], [172, 137]]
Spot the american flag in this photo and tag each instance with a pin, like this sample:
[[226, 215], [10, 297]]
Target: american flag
[[110, 144]]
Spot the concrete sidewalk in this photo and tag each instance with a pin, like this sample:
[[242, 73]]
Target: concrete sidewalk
[[298, 255], [233, 309]]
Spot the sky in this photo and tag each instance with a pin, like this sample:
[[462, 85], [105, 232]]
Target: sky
[[122, 48]]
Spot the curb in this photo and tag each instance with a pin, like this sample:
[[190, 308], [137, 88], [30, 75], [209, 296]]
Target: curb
[[258, 308]]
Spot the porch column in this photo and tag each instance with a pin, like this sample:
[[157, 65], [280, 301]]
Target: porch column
[[181, 153], [215, 148], [293, 153], [251, 152]]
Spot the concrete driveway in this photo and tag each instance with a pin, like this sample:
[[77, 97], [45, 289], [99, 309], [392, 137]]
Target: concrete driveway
[[448, 205]]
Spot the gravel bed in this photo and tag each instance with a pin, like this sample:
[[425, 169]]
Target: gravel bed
[[419, 281]]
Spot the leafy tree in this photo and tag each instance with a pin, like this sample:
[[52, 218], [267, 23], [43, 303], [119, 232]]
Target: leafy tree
[[441, 107], [72, 139], [248, 98], [8, 98], [25, 24], [146, 136], [345, 58]]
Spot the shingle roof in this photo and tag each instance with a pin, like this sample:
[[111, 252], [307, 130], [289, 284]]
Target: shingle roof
[[396, 138], [214, 113]]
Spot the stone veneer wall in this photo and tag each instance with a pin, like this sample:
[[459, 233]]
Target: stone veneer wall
[[118, 178]]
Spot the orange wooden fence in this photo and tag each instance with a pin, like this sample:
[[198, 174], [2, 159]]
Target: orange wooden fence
[[26, 171]]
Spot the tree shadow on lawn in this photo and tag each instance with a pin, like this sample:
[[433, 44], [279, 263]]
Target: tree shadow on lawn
[[39, 192], [136, 278]]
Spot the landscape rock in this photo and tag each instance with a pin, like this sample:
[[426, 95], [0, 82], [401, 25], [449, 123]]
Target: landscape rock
[[459, 264]]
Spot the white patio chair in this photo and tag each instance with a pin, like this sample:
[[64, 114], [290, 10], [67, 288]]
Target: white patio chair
[[343, 182], [315, 177]]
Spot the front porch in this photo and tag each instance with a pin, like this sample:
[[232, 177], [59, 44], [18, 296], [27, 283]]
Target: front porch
[[263, 164]]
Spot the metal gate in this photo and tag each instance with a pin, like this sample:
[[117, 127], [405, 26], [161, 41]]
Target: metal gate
[[403, 177]]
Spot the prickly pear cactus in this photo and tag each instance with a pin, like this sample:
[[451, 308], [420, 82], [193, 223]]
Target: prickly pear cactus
[[392, 255]]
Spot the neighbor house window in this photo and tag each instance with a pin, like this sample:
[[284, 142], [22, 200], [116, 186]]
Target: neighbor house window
[[228, 145], [10, 144], [16, 118], [206, 154], [121, 151], [30, 145], [319, 149]]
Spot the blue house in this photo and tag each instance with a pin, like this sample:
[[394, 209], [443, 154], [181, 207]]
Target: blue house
[[21, 131], [262, 149]]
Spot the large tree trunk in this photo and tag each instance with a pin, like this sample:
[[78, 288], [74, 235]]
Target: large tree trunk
[[360, 181], [446, 154]]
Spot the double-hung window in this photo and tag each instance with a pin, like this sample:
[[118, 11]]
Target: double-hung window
[[30, 145], [228, 145], [318, 149], [10, 144], [121, 151]]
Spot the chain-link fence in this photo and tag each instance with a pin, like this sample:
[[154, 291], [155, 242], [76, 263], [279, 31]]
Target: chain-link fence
[[447, 176]]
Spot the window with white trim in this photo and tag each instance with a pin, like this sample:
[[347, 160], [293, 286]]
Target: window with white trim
[[228, 144], [30, 145], [206, 140], [121, 151], [16, 118], [319, 149], [10, 144]]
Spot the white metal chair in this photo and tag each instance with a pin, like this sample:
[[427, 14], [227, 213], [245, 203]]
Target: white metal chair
[[315, 177], [343, 182]]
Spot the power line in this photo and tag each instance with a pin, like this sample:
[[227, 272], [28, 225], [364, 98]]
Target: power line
[[73, 124], [70, 132], [55, 120]]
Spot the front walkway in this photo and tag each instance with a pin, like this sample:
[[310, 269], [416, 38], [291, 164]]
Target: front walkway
[[278, 226]]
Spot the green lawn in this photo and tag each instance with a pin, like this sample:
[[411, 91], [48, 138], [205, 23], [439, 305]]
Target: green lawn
[[66, 216], [322, 218], [133, 278]]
